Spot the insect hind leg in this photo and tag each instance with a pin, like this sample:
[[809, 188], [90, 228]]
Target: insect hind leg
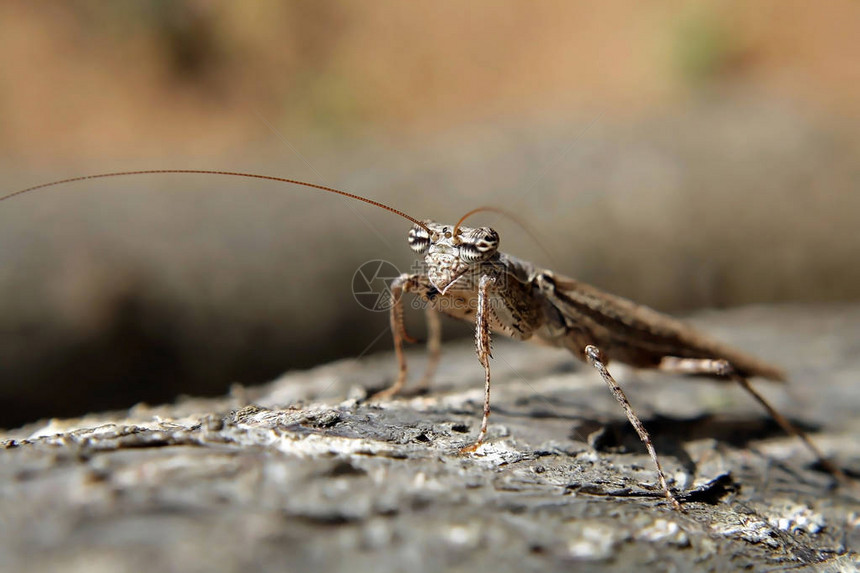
[[723, 369], [595, 358]]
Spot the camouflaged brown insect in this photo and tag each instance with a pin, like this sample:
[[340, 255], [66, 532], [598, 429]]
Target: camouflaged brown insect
[[468, 278]]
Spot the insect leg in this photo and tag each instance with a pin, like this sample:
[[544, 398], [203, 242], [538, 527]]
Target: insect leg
[[403, 284], [434, 347], [724, 368], [398, 332], [482, 347], [595, 358]]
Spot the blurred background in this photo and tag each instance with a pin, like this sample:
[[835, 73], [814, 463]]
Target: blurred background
[[686, 155]]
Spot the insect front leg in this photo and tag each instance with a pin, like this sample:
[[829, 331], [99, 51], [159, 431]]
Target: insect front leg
[[482, 347], [595, 358], [420, 285], [403, 284], [722, 368]]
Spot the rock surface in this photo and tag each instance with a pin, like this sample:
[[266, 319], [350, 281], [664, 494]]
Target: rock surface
[[305, 474]]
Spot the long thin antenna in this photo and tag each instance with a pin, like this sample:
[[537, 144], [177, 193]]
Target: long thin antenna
[[212, 172]]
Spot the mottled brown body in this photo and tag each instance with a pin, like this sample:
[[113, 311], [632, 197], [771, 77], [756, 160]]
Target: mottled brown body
[[543, 307], [467, 278], [636, 334]]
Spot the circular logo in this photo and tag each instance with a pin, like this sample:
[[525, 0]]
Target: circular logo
[[371, 285]]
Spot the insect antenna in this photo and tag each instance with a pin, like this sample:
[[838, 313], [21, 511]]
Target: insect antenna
[[517, 220], [213, 172]]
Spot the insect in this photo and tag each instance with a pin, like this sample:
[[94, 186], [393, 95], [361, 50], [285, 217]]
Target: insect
[[468, 278]]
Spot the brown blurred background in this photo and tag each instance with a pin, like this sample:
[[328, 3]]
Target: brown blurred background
[[686, 155]]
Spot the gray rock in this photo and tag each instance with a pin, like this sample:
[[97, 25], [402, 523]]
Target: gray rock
[[305, 474]]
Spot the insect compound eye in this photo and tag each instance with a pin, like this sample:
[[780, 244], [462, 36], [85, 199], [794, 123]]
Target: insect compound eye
[[479, 245], [419, 239]]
